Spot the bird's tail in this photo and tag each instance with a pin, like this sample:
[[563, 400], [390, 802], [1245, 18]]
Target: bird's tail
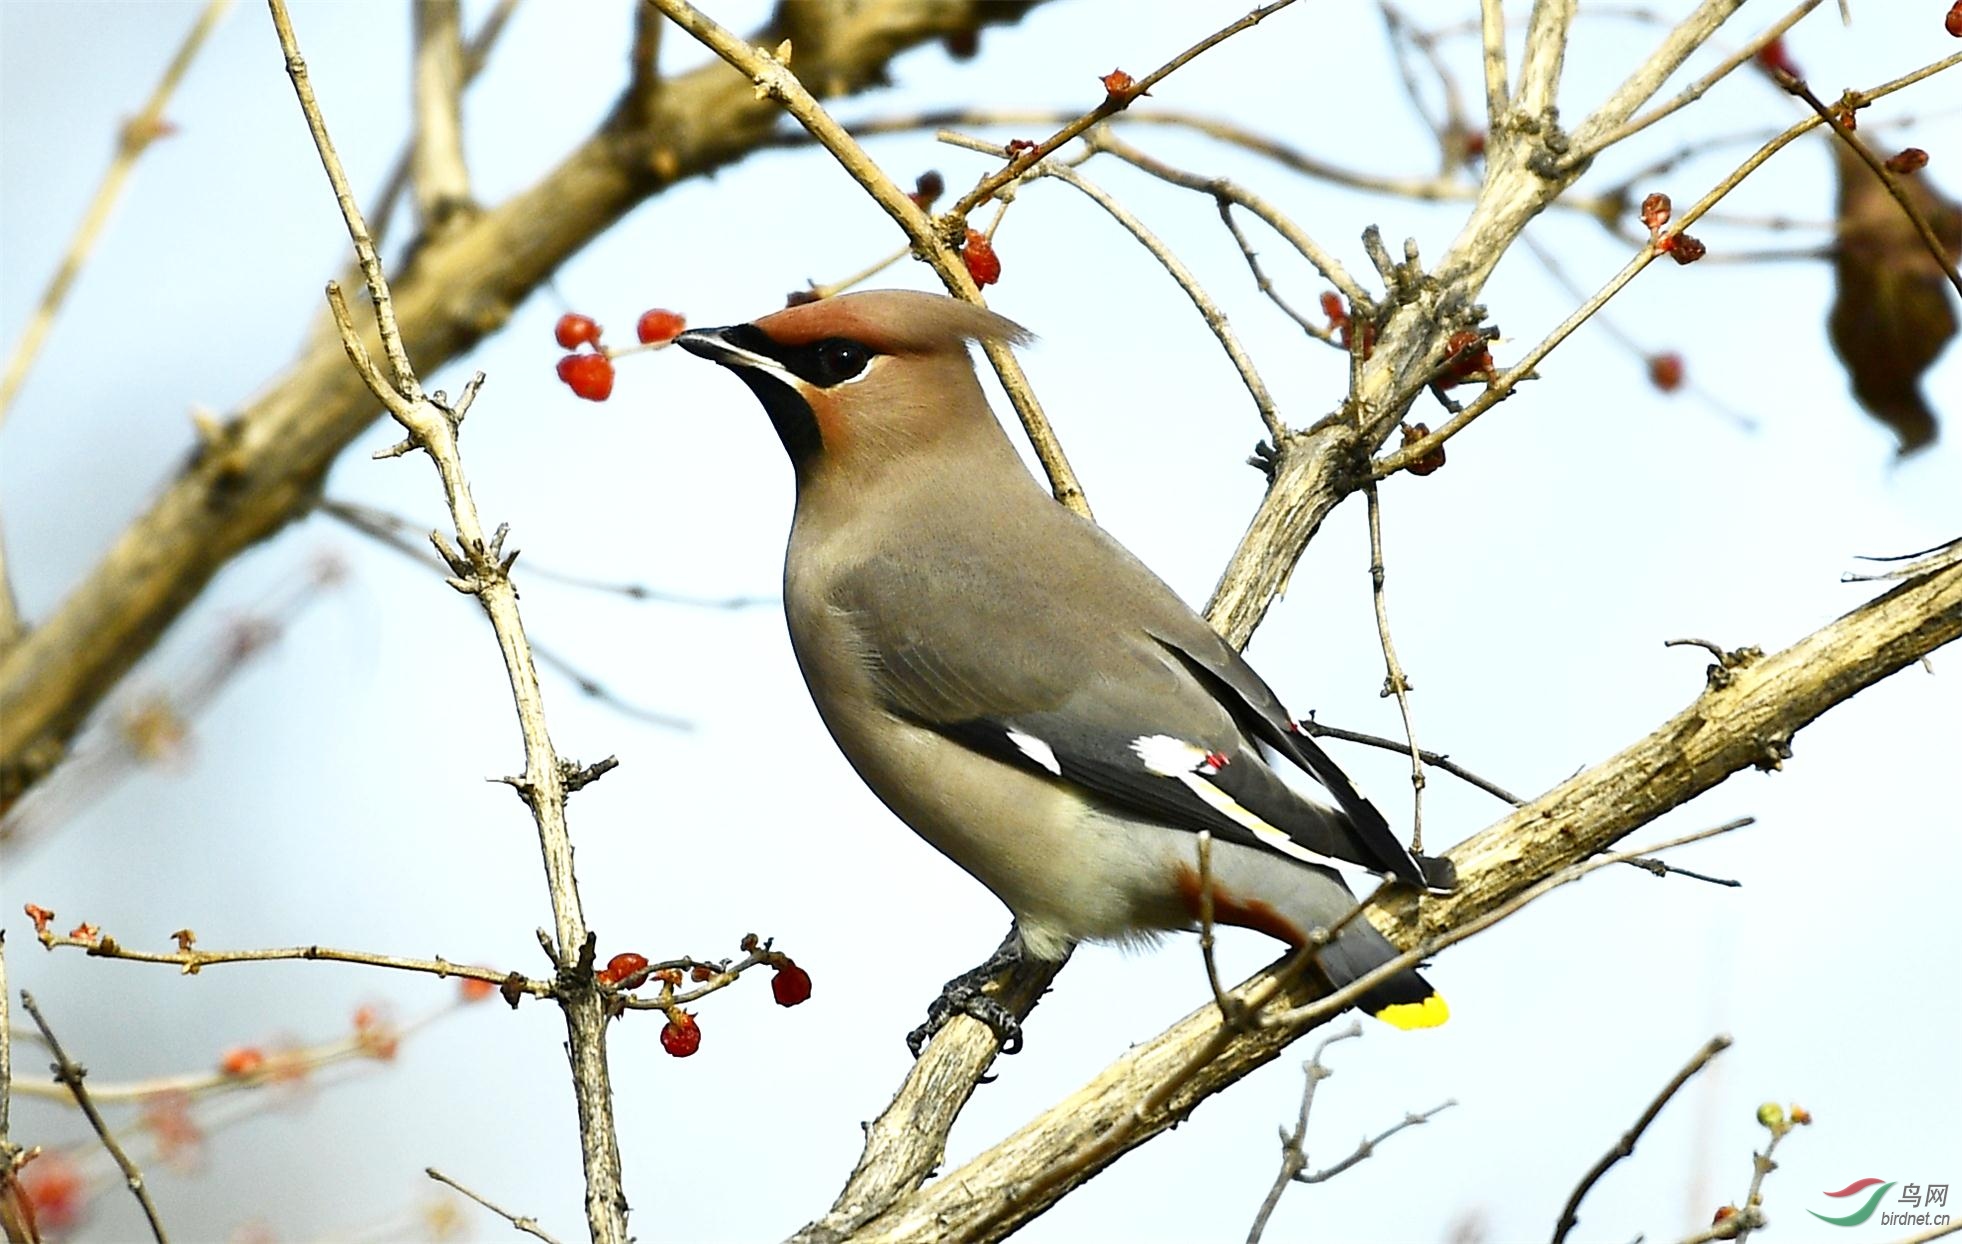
[[1406, 1000]]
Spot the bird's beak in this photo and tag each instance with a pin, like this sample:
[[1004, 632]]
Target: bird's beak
[[714, 345]]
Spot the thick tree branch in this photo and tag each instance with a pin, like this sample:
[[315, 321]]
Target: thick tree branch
[[1749, 721], [264, 467]]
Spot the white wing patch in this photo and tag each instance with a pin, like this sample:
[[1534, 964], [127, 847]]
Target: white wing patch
[[1190, 765], [1167, 756], [1037, 750]]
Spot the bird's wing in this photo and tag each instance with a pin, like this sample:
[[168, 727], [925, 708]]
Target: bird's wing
[[1129, 718], [1225, 672]]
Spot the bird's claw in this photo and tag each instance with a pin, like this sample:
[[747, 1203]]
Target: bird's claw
[[967, 994], [963, 998]]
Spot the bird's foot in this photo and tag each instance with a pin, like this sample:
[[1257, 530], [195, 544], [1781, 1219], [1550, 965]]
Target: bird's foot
[[967, 994]]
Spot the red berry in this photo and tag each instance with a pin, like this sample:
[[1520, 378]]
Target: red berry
[[1685, 249], [1118, 83], [982, 262], [790, 985], [588, 375], [1332, 307], [241, 1060], [624, 971], [1774, 59], [475, 990], [574, 331], [1414, 432], [1666, 371], [701, 972], [658, 325], [1655, 211], [1465, 358], [53, 1186], [1908, 160], [927, 187], [682, 1036], [1953, 22]]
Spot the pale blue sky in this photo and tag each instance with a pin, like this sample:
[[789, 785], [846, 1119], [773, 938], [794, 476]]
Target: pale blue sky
[[336, 791]]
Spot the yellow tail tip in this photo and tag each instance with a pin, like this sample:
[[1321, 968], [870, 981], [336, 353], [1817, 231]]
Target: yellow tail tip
[[1429, 1013]]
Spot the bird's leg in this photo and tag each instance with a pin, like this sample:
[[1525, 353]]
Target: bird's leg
[[967, 995]]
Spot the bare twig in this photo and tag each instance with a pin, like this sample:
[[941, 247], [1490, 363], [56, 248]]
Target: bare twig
[[441, 177], [1366, 1148], [410, 539], [1208, 309], [1570, 1213], [190, 961], [774, 79], [71, 1073], [1114, 102], [7, 1147], [1319, 332], [644, 61], [137, 134], [1910, 565], [1294, 1158], [1749, 1217], [1394, 681], [1842, 128], [1588, 147], [1545, 55], [1492, 36], [528, 1225], [282, 1065], [481, 568], [476, 54], [1652, 71], [1224, 190], [1436, 760]]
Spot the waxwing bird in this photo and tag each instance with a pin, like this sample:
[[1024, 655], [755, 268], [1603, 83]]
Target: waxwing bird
[[1016, 686]]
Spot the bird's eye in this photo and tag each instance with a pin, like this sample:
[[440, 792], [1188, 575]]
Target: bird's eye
[[839, 360]]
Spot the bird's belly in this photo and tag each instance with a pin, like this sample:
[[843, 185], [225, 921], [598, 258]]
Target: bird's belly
[[1067, 872]]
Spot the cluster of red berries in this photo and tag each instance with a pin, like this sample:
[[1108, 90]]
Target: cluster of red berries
[[682, 1035], [589, 373], [1679, 246]]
